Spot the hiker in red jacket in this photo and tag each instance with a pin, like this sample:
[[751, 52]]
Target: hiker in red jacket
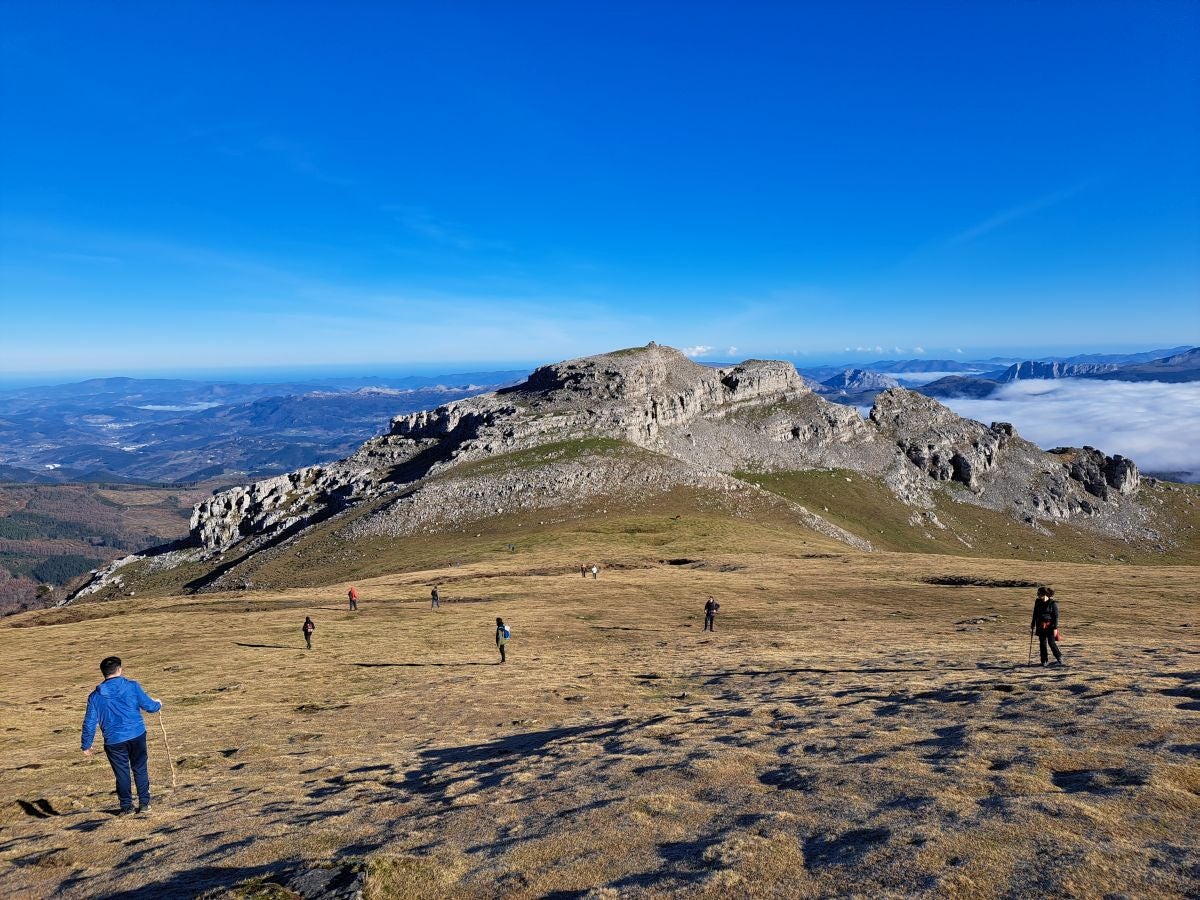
[[353, 595], [309, 628]]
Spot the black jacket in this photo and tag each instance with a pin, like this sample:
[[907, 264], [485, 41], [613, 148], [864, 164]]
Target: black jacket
[[1045, 616], [711, 607]]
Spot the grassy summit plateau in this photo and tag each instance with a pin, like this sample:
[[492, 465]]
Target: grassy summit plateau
[[851, 729]]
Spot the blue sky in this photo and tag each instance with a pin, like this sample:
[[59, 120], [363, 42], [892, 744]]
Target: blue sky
[[195, 186]]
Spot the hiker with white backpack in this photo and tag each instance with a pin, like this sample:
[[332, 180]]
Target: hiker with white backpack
[[502, 636]]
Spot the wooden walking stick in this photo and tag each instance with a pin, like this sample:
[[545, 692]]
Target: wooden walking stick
[[167, 744]]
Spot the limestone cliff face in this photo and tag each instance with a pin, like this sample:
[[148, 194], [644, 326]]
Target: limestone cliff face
[[1024, 371], [631, 395], [996, 464], [698, 422], [942, 445]]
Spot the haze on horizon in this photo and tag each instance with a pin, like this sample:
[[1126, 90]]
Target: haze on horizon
[[333, 186]]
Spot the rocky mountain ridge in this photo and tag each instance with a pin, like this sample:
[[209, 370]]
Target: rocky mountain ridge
[[649, 419], [1023, 371], [1178, 367]]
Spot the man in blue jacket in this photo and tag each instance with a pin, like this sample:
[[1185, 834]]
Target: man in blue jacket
[[115, 705]]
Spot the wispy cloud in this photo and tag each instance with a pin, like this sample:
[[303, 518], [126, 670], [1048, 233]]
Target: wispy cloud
[[918, 349], [730, 351], [1153, 424], [423, 223], [298, 157], [1014, 214], [698, 350]]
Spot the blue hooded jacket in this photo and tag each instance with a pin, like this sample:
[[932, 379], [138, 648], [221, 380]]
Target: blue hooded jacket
[[115, 705]]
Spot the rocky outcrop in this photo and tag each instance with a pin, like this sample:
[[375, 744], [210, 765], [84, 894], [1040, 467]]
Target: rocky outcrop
[[854, 381], [633, 395], [274, 504], [1100, 475], [942, 445]]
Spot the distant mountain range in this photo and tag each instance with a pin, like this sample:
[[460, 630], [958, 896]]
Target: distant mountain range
[[166, 430], [1176, 367], [137, 430], [975, 379]]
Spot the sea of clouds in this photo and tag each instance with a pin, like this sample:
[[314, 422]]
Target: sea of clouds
[[1156, 425], [913, 379]]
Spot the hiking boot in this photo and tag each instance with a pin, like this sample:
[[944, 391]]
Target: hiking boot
[[144, 809], [124, 811]]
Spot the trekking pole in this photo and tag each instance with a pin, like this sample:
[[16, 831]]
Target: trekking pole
[[1030, 661], [167, 744]]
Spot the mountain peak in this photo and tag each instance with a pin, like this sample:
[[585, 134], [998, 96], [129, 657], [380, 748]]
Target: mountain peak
[[637, 422]]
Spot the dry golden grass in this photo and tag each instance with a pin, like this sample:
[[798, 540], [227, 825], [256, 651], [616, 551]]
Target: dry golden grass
[[840, 735]]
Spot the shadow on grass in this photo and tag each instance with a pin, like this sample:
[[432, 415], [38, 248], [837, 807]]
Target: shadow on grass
[[490, 763], [869, 670], [38, 809], [417, 665], [267, 646]]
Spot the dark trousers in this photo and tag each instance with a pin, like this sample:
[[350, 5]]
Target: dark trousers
[[308, 640], [1046, 639], [435, 603], [708, 622], [500, 647], [123, 756], [354, 604]]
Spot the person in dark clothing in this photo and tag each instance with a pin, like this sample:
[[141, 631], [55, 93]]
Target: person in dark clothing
[[502, 634], [710, 614], [353, 595], [116, 706], [1045, 624], [583, 571], [309, 627], [435, 599]]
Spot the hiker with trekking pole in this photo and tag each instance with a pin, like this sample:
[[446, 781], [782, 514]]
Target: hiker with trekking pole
[[116, 706], [1045, 625]]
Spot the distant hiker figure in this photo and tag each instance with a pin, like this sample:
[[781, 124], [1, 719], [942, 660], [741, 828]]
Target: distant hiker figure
[[502, 636], [583, 571], [1045, 624], [435, 599], [595, 572], [353, 595], [710, 614], [115, 705], [309, 627]]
